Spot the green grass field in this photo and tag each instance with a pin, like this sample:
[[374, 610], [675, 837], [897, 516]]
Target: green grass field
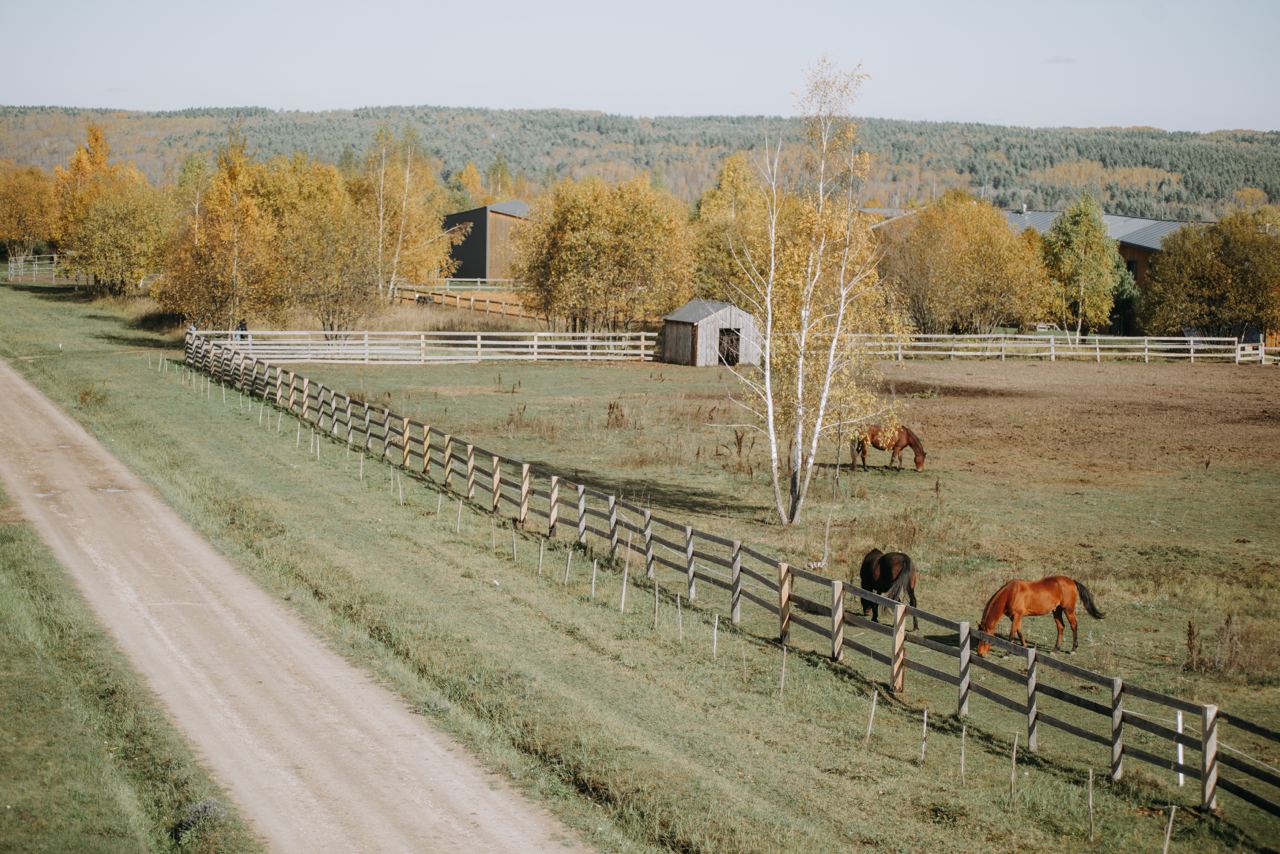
[[637, 738], [90, 763]]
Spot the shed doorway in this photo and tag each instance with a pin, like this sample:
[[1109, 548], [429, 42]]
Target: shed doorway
[[730, 346]]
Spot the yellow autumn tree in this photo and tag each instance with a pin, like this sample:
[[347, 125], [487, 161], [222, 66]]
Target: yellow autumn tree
[[957, 267], [403, 204], [733, 199], [807, 258], [600, 257], [472, 183], [219, 266], [119, 238], [322, 251], [28, 208]]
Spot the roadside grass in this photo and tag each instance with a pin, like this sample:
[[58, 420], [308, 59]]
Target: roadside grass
[[90, 762], [636, 737]]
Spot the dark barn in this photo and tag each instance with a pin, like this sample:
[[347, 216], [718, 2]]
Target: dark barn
[[486, 251]]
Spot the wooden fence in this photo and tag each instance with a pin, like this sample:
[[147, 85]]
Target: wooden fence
[[1123, 719], [422, 348], [469, 301], [1093, 348]]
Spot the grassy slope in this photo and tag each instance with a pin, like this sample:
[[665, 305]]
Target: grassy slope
[[633, 736], [89, 761]]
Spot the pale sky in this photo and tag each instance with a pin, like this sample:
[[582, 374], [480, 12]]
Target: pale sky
[[1178, 64]]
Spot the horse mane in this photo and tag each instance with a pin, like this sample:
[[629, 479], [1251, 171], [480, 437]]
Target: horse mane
[[913, 440], [994, 607]]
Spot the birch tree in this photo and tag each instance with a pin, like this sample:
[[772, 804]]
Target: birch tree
[[807, 258]]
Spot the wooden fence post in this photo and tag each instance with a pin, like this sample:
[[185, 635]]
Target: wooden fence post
[[691, 578], [1117, 729], [613, 526], [1053, 355], [368, 439], [306, 397], [784, 602], [426, 444], [1209, 758], [962, 702], [1146, 351], [898, 656], [837, 619], [524, 494], [471, 471], [735, 584], [553, 512], [649, 565], [496, 478], [582, 516], [1033, 711], [448, 456], [350, 426], [404, 440], [293, 390]]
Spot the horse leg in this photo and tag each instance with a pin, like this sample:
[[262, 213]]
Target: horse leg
[[911, 595], [1057, 621], [1075, 637], [1015, 629]]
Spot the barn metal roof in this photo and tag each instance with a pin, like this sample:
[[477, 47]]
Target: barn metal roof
[[511, 207], [697, 310], [1152, 236], [1133, 230]]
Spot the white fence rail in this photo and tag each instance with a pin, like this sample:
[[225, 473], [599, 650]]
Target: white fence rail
[[33, 268], [1094, 348], [423, 348], [469, 285]]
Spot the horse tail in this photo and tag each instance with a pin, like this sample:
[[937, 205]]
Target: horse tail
[[1087, 599], [904, 581]]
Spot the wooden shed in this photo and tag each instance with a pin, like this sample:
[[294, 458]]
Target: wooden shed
[[486, 251], [707, 333]]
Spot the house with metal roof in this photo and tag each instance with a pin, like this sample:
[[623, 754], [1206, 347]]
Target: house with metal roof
[[708, 332], [1139, 238], [486, 252]]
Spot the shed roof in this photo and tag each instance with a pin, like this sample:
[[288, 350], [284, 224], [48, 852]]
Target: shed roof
[[697, 310], [1152, 236]]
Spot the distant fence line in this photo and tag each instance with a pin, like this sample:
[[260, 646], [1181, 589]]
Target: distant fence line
[[426, 348], [33, 268], [1093, 348], [798, 599], [468, 301]]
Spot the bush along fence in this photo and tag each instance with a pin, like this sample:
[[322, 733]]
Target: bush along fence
[[426, 348], [1122, 719]]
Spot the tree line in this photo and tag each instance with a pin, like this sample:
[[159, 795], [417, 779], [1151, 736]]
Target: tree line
[[233, 236], [1132, 171]]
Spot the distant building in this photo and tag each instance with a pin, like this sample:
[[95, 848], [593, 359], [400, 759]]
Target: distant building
[[707, 332], [486, 252], [1139, 238]]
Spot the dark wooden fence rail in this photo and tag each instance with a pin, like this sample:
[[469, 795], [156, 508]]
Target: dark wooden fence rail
[[706, 565]]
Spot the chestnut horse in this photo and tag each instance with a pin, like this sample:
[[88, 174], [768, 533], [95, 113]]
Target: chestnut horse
[[893, 442], [889, 574], [1018, 599]]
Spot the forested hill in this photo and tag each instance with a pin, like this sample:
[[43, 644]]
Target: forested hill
[[1136, 171]]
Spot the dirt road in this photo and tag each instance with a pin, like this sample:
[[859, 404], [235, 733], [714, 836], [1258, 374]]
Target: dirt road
[[316, 755]]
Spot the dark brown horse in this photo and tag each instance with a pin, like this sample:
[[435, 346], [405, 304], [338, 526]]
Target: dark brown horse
[[1018, 599], [894, 442], [890, 574]]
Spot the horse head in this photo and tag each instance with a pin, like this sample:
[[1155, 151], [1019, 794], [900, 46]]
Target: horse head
[[983, 648], [920, 455]]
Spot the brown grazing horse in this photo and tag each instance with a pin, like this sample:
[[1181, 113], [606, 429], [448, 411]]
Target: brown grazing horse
[[889, 574], [893, 442], [1018, 599]]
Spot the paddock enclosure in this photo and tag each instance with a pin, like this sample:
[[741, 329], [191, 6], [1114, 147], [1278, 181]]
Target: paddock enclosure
[[1120, 719]]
